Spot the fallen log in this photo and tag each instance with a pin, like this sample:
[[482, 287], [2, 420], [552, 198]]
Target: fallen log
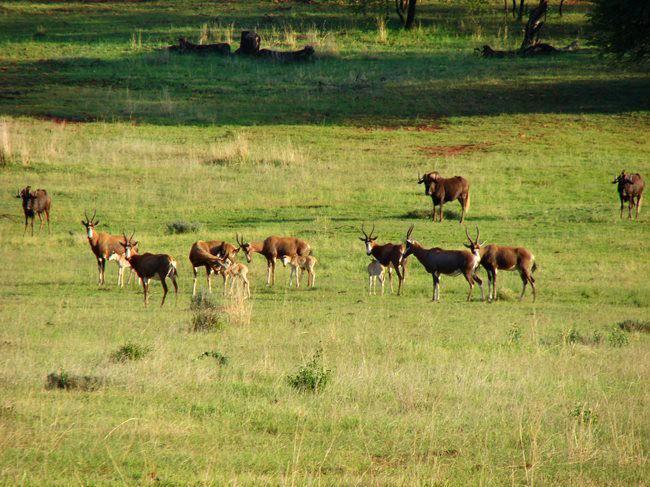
[[539, 49], [184, 46], [304, 54]]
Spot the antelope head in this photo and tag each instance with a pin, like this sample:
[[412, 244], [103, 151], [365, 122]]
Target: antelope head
[[245, 246], [128, 244], [90, 223], [368, 239], [474, 246], [409, 242]]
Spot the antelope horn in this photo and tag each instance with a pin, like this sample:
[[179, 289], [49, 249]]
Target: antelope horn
[[131, 237], [94, 213], [372, 231], [86, 215], [478, 234], [363, 225], [468, 237], [409, 231]]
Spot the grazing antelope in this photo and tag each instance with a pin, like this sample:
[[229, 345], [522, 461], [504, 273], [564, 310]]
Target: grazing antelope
[[437, 261], [151, 266], [496, 257], [443, 190], [375, 273], [211, 255], [106, 247], [389, 255], [238, 271], [630, 186], [35, 203], [274, 248], [298, 263]]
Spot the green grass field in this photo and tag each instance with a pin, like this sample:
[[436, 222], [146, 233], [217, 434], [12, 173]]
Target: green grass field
[[453, 393]]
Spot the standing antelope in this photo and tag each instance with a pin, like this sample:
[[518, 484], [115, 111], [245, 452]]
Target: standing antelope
[[299, 264], [375, 273], [151, 266], [630, 186], [35, 203], [437, 261], [495, 258], [443, 190], [211, 255], [389, 255], [238, 271], [106, 247], [274, 248]]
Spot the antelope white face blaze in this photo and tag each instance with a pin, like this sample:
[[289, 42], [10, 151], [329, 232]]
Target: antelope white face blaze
[[368, 248], [90, 232]]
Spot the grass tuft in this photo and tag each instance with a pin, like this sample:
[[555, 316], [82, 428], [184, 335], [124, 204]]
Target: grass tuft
[[635, 325], [130, 351], [65, 380], [220, 358], [312, 376], [207, 320], [181, 226]]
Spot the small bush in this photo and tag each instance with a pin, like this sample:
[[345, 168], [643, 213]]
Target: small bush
[[311, 377], [218, 356], [583, 414], [574, 336], [514, 335], [207, 320], [183, 227], [505, 294], [618, 338], [130, 351], [202, 301], [633, 325], [68, 381]]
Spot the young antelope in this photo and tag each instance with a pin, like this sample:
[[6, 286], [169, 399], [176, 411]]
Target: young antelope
[[239, 272], [300, 263], [375, 273]]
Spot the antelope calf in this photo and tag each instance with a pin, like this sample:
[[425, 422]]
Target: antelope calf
[[151, 266], [375, 273], [630, 187], [298, 265], [211, 255], [437, 261], [389, 255], [274, 248], [443, 190], [122, 264], [35, 203], [238, 272], [106, 247]]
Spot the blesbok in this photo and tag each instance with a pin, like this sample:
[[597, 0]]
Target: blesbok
[[149, 266], [630, 187], [389, 255], [106, 247], [443, 190], [437, 261], [274, 248], [237, 271], [299, 264], [375, 273], [496, 258], [211, 255], [35, 203]]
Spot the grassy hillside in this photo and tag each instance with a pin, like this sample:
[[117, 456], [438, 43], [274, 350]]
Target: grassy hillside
[[457, 393]]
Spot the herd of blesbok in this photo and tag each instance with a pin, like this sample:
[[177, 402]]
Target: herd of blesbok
[[220, 257]]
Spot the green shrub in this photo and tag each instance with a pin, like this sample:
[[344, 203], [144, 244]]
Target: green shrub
[[129, 351], [312, 376], [634, 325], [207, 320], [202, 301], [218, 356], [183, 227], [68, 381], [617, 338], [583, 414], [621, 28]]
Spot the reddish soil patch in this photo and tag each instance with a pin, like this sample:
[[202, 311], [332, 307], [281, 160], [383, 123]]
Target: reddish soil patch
[[67, 120], [424, 127], [451, 150]]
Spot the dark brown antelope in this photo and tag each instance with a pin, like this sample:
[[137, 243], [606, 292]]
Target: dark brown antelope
[[211, 255], [496, 258], [35, 203], [437, 261], [149, 266], [443, 190], [106, 247], [630, 187], [389, 255], [274, 248]]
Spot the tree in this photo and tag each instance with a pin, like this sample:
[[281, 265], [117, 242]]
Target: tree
[[406, 11], [621, 28]]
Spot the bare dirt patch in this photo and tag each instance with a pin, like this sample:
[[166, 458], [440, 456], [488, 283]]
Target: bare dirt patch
[[451, 150], [423, 127]]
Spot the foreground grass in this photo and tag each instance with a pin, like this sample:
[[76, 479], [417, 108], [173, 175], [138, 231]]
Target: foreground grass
[[454, 393]]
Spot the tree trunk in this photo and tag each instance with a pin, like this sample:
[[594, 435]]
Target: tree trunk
[[406, 11], [520, 14], [561, 4], [534, 25], [514, 7]]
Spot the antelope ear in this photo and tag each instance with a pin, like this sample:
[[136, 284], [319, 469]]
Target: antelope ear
[[83, 223], [96, 223], [373, 239], [468, 246], [362, 239], [134, 243]]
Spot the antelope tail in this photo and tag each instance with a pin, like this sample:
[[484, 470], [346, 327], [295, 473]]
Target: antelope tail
[[173, 271], [534, 268], [467, 203]]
